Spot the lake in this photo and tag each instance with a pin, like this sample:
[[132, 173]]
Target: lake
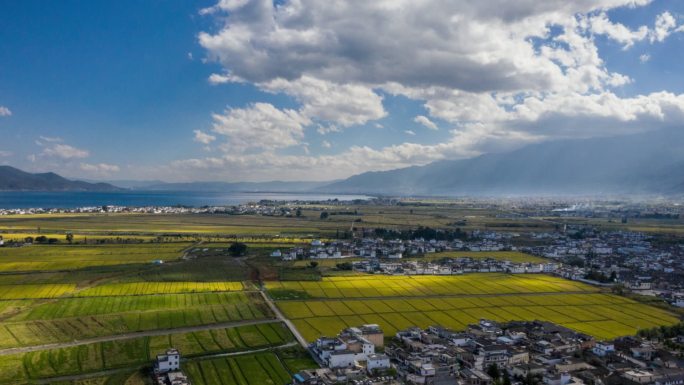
[[35, 199]]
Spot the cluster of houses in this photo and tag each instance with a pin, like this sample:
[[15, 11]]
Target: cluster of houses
[[249, 208], [453, 266], [632, 258], [370, 247], [490, 353]]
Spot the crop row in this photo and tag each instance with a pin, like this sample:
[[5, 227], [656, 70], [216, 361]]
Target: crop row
[[132, 352], [74, 307], [407, 286], [144, 288], [40, 332], [601, 315], [256, 369]]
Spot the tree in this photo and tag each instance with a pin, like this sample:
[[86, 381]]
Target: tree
[[493, 371], [70, 238], [506, 378], [324, 215], [298, 213], [345, 266], [313, 264], [237, 249], [41, 239]]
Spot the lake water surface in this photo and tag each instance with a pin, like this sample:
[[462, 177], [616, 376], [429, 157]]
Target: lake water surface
[[34, 199]]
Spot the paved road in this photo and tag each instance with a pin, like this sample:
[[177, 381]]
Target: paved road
[[126, 336], [281, 317]]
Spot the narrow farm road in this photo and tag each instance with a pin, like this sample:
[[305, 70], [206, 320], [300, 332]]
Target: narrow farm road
[[126, 336], [281, 317]]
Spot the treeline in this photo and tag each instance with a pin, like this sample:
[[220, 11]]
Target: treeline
[[422, 232], [662, 332]]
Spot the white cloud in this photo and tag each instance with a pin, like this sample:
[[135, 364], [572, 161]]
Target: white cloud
[[409, 132], [215, 79], [600, 24], [5, 154], [4, 111], [665, 24], [644, 58], [326, 144], [425, 121], [64, 151], [49, 139], [100, 169], [503, 74], [203, 137], [344, 105], [326, 129], [260, 125]]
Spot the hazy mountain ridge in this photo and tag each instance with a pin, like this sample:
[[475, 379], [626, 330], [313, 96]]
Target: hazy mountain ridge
[[13, 179], [647, 163], [272, 186]]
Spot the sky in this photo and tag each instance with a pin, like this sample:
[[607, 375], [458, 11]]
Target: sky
[[256, 90]]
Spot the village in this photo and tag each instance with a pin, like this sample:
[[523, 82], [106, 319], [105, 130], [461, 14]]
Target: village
[[630, 260], [489, 353]]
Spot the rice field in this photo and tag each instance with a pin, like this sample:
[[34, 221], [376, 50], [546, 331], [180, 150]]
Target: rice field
[[456, 302], [61, 257], [253, 369], [89, 317], [513, 256], [137, 351], [370, 286], [147, 288]]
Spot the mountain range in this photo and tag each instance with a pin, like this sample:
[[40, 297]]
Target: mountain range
[[13, 179], [645, 163]]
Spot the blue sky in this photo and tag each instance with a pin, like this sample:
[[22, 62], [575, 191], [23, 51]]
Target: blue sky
[[245, 90]]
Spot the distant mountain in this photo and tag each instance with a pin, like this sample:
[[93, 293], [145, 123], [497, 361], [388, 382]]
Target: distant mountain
[[647, 163], [274, 186], [13, 179]]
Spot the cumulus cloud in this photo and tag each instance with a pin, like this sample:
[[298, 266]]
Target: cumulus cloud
[[501, 73], [4, 111], [343, 104], [664, 25], [101, 169], [203, 137], [65, 151], [644, 58], [326, 144], [425, 121], [260, 125], [600, 24]]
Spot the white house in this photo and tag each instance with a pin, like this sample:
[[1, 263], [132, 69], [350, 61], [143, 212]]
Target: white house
[[377, 361], [603, 349], [276, 254], [167, 362]]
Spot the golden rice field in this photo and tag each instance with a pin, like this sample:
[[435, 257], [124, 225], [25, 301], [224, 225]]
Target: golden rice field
[[369, 286], [513, 256], [60, 257], [145, 288], [456, 301]]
